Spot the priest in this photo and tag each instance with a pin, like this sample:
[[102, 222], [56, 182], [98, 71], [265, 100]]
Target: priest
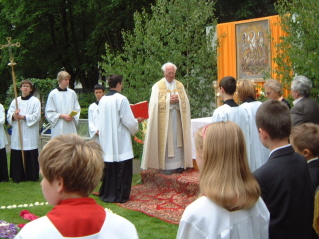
[[28, 113], [60, 104], [117, 124], [167, 143]]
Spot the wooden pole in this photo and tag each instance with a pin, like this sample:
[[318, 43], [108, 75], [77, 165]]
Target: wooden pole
[[12, 64]]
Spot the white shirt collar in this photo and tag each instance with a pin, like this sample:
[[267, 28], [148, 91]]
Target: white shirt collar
[[285, 146], [297, 100]]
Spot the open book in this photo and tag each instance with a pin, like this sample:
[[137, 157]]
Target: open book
[[73, 113], [140, 109]]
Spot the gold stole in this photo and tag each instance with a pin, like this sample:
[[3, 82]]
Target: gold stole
[[163, 110]]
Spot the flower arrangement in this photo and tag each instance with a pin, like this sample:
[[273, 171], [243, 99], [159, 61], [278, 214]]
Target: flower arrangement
[[140, 135], [8, 230]]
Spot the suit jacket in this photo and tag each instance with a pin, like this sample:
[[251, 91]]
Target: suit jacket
[[305, 111], [288, 194], [313, 167]]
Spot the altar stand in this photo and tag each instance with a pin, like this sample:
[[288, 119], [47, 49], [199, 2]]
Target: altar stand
[[195, 125]]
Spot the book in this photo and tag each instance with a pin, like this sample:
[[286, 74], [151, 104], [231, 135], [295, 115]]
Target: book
[[73, 113], [140, 109]]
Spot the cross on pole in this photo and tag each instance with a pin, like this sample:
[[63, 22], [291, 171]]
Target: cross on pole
[[12, 64]]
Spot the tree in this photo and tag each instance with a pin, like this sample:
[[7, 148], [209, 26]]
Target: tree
[[298, 53], [175, 32], [60, 34], [234, 10]]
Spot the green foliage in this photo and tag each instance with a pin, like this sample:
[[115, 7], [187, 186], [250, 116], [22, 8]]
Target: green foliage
[[175, 32], [234, 10], [299, 51], [85, 99], [84, 113], [68, 35]]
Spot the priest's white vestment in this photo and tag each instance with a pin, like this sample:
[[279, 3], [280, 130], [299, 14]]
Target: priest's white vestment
[[167, 143], [259, 154], [235, 114], [31, 108], [93, 116], [62, 102], [205, 219]]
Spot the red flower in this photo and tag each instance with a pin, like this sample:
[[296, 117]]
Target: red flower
[[21, 225], [24, 212], [257, 95]]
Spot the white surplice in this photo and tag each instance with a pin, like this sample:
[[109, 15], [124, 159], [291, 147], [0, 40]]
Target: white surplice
[[31, 108], [3, 137], [62, 102], [93, 116], [117, 124], [205, 219], [237, 115], [115, 227], [258, 153]]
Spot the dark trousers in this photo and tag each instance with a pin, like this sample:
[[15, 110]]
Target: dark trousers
[[28, 172], [117, 181], [4, 176]]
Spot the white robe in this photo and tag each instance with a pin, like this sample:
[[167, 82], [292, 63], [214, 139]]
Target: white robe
[[258, 153], [117, 124], [3, 137], [114, 227], [205, 219], [62, 102], [31, 108], [237, 115], [93, 116]]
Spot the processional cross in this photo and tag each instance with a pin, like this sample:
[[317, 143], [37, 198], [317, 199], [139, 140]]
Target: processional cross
[[12, 64]]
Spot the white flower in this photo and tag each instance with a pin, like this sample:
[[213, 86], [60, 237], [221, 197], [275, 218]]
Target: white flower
[[46, 203], [42, 204], [37, 204], [20, 205], [25, 205], [9, 207], [14, 206], [3, 207], [31, 205]]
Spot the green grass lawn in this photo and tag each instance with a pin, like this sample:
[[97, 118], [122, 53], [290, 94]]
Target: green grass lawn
[[30, 192]]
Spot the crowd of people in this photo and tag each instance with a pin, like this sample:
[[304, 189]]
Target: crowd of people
[[258, 162]]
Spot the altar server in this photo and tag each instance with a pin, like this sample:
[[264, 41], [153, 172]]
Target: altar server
[[99, 91], [230, 110], [4, 176], [28, 113], [117, 124], [71, 168], [247, 95], [60, 104]]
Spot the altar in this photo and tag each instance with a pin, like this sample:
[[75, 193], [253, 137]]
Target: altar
[[195, 125]]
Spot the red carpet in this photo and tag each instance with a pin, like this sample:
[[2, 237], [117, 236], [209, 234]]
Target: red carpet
[[164, 196]]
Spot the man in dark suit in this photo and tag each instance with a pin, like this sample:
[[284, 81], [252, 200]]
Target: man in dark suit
[[305, 109], [284, 180]]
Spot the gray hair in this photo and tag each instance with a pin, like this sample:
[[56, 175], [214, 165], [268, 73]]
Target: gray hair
[[168, 64], [301, 84], [274, 85]]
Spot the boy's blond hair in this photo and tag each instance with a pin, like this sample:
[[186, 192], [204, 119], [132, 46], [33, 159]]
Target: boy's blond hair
[[78, 162], [61, 75]]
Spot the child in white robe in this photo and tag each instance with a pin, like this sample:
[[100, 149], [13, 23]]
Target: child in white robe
[[71, 168]]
